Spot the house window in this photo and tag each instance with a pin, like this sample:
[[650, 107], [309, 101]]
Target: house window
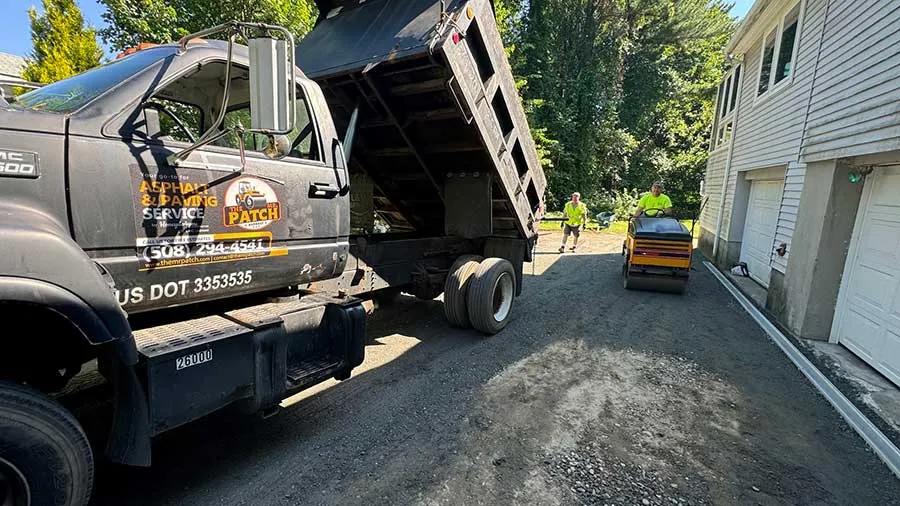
[[786, 50], [779, 52], [765, 69], [726, 102]]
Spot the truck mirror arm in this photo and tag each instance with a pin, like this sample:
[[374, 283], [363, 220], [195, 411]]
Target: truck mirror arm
[[233, 29]]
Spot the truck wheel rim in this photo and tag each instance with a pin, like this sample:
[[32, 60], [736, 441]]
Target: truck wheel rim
[[503, 296], [13, 487]]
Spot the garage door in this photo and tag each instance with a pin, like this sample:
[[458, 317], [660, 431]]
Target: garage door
[[867, 316], [759, 228]]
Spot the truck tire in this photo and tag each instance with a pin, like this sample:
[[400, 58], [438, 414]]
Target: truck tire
[[45, 458], [490, 295], [456, 287]]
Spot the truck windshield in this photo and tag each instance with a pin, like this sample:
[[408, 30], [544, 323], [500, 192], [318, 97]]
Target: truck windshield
[[71, 94]]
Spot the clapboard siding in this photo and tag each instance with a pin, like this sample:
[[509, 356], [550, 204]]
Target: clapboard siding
[[770, 127], [855, 106], [787, 214], [715, 172]]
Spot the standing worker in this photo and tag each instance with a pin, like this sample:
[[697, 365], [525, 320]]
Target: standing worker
[[576, 218], [654, 204]]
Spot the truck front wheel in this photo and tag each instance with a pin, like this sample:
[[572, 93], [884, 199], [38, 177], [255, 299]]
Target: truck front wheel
[[45, 458], [490, 295]]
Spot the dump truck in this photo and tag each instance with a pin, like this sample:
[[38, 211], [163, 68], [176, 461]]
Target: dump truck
[[202, 221]]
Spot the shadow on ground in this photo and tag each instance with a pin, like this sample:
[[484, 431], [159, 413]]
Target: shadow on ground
[[682, 392]]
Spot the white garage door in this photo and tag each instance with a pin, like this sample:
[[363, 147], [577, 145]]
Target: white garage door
[[759, 228], [867, 316]]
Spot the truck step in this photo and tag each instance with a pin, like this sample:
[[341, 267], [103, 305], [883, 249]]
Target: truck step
[[306, 371], [157, 341]]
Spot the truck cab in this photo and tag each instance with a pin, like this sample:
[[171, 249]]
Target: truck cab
[[173, 234]]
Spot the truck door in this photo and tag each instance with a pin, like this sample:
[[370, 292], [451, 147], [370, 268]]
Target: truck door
[[203, 228]]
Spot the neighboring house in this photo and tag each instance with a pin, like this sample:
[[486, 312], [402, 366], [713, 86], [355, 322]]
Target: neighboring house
[[11, 67], [810, 106]]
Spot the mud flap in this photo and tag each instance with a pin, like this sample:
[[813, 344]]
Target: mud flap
[[129, 438]]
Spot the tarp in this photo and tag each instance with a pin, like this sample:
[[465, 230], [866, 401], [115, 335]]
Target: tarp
[[373, 31]]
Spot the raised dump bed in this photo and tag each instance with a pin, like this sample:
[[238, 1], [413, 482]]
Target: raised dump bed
[[437, 105]]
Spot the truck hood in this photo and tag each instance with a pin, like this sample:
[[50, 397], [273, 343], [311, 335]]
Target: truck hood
[[14, 118]]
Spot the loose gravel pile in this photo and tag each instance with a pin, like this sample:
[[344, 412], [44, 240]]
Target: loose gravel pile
[[596, 477]]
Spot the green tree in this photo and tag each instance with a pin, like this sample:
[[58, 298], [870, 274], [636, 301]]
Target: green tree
[[63, 45], [131, 22], [624, 88]]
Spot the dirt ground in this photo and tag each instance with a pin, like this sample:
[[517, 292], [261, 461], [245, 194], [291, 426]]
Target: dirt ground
[[592, 395]]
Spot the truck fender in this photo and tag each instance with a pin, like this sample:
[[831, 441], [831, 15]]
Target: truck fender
[[41, 264]]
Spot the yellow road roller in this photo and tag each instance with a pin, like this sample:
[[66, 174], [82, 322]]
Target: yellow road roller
[[657, 255]]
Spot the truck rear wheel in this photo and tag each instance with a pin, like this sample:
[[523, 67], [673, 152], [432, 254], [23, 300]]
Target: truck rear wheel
[[456, 287], [45, 458], [490, 295]]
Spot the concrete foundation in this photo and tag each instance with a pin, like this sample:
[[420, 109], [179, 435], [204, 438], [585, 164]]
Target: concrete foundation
[[803, 299], [728, 253]]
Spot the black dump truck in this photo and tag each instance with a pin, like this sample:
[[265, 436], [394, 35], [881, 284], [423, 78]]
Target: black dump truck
[[203, 220]]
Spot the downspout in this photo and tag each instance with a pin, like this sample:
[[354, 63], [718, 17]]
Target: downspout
[[734, 126]]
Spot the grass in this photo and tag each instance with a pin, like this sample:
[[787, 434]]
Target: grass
[[616, 227]]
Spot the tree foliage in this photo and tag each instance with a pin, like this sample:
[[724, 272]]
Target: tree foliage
[[131, 22], [63, 45], [619, 92]]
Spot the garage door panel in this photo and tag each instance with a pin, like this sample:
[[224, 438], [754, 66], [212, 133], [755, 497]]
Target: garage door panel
[[867, 318], [873, 286], [759, 228], [886, 192], [863, 338], [881, 238], [890, 348]]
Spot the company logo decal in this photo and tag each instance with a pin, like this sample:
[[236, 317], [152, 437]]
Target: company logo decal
[[251, 204]]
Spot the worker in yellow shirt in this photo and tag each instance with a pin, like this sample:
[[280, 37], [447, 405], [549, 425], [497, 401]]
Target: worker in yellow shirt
[[576, 219], [654, 204]]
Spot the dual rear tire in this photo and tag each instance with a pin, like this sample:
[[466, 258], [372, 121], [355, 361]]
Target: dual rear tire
[[479, 293]]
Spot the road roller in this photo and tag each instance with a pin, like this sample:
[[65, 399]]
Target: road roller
[[657, 255]]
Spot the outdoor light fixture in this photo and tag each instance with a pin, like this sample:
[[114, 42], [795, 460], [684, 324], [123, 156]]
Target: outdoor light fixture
[[856, 176]]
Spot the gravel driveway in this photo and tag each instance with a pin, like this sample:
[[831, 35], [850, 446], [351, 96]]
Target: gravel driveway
[[592, 395]]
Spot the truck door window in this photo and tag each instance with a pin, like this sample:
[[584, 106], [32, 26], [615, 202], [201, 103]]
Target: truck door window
[[167, 119], [304, 143]]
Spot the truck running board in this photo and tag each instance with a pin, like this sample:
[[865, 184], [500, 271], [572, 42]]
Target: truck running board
[[250, 358]]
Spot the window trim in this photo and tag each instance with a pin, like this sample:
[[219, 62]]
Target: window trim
[[779, 30], [721, 121]]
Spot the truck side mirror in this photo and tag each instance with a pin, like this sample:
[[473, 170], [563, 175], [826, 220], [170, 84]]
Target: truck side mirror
[[271, 96]]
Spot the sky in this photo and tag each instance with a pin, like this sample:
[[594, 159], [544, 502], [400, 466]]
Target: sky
[[15, 28]]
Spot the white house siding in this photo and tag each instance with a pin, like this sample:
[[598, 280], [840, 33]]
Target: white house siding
[[787, 215], [729, 203], [856, 99], [770, 127], [712, 187]]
